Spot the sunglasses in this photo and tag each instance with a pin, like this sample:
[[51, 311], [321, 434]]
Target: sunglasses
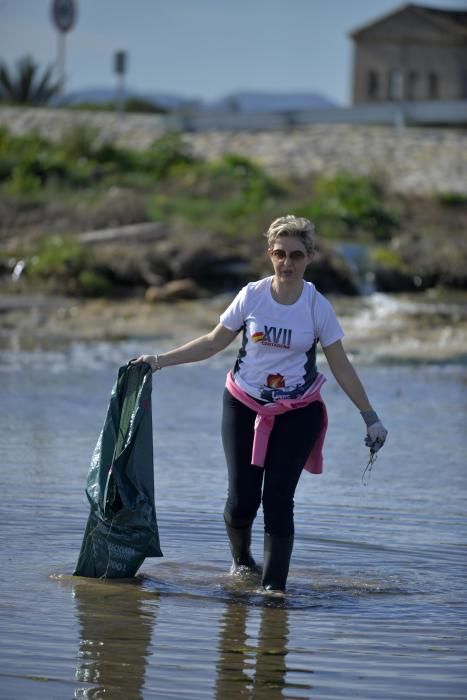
[[294, 255]]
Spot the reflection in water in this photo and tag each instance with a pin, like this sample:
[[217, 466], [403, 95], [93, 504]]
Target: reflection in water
[[250, 668], [115, 621]]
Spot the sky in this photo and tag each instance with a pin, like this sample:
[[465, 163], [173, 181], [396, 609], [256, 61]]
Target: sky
[[201, 49]]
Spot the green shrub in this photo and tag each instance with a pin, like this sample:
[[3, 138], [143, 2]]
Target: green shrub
[[58, 256], [346, 203], [66, 266], [24, 144], [452, 199], [114, 159], [30, 162], [224, 196], [142, 106], [93, 284], [22, 182], [17, 153], [164, 154], [79, 142], [387, 258], [251, 183]]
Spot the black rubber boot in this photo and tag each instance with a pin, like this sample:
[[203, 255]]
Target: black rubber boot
[[277, 553], [240, 543]]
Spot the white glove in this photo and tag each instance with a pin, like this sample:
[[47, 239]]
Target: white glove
[[376, 436], [376, 432]]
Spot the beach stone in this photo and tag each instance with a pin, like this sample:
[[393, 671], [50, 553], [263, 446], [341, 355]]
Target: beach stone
[[331, 274], [211, 265], [175, 290]]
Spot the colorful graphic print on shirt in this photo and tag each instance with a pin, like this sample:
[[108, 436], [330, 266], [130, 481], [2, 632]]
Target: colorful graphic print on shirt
[[274, 337]]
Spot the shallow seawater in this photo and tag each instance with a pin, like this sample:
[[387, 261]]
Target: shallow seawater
[[376, 601]]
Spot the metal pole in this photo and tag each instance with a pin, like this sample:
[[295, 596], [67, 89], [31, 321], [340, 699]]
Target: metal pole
[[61, 61], [120, 67], [120, 92]]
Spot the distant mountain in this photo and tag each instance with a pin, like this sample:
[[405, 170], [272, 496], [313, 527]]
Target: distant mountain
[[271, 102], [243, 101]]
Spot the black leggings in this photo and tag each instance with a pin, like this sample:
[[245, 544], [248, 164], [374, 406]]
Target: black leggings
[[293, 436]]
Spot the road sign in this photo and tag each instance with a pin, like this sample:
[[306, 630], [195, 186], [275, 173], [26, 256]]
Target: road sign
[[64, 14], [120, 62]]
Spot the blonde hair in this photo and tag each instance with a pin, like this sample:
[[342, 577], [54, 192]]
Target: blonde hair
[[294, 226]]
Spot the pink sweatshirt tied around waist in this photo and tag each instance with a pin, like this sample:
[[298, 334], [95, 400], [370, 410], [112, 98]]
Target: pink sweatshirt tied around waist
[[265, 417]]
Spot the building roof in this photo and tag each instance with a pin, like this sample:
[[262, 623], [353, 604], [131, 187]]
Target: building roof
[[447, 20]]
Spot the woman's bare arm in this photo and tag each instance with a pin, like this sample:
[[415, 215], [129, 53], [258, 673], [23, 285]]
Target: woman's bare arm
[[346, 376], [195, 350]]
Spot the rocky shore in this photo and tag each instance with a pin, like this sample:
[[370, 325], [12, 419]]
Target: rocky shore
[[429, 327]]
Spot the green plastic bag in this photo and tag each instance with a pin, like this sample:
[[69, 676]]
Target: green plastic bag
[[122, 526]]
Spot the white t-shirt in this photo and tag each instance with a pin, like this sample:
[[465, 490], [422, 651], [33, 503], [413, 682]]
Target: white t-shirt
[[277, 358]]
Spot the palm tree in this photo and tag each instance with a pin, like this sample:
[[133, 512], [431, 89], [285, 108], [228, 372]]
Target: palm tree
[[27, 85]]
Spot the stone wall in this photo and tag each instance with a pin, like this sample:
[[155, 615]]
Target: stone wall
[[410, 160]]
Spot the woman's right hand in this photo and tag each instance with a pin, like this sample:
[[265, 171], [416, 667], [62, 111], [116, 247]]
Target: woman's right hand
[[151, 360]]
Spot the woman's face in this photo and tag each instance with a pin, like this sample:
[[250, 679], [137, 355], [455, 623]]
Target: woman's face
[[289, 258]]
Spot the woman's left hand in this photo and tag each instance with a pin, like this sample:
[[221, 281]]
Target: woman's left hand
[[150, 360]]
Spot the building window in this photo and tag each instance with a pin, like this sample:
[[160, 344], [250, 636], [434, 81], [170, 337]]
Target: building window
[[411, 85], [372, 87], [395, 85], [433, 86]]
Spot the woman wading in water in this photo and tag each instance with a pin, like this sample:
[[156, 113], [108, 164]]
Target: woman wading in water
[[274, 419]]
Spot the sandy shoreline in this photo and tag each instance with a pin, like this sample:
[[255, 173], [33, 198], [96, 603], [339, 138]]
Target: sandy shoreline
[[36, 322], [426, 327]]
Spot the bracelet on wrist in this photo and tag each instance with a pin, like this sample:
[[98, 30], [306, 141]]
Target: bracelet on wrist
[[370, 417], [157, 363]]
